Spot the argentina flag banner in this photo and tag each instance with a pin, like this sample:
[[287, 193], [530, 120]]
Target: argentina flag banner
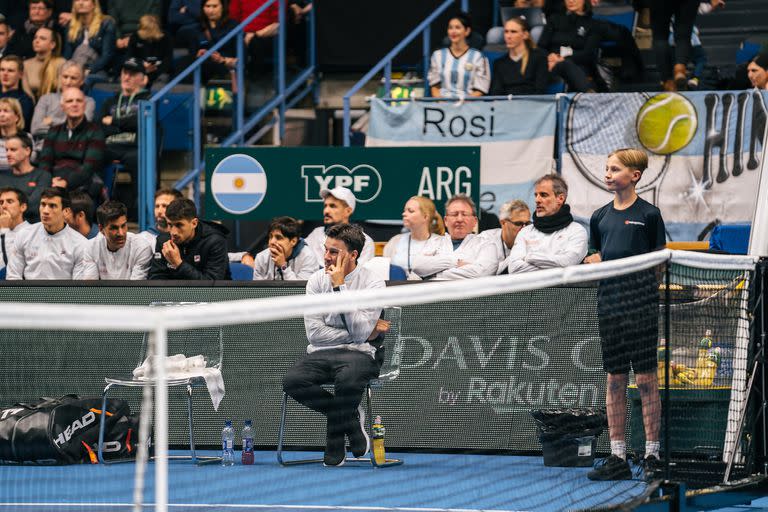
[[238, 184], [516, 138]]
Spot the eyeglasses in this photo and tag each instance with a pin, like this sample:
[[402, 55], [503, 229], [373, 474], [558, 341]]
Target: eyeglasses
[[518, 223], [459, 214]]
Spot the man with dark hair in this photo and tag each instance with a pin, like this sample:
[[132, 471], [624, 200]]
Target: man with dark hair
[[23, 175], [116, 253], [73, 152], [6, 33], [554, 239], [342, 349], [163, 197], [11, 73], [40, 15], [49, 249], [79, 216], [462, 255], [192, 249], [288, 257], [13, 204]]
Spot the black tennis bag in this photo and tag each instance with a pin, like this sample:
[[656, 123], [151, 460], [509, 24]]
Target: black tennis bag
[[66, 431]]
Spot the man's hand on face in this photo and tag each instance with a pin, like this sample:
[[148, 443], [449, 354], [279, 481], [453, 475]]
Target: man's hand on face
[[381, 327], [278, 255], [5, 219], [337, 271], [171, 253]]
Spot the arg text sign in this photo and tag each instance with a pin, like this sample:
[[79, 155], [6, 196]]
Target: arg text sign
[[261, 183]]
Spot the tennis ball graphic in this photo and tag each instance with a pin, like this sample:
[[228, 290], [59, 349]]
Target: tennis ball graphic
[[666, 123]]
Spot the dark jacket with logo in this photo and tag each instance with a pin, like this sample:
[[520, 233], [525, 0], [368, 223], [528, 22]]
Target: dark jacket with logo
[[203, 257], [124, 111]]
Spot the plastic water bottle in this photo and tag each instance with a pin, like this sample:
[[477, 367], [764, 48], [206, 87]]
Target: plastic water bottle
[[378, 442], [228, 444], [247, 455]]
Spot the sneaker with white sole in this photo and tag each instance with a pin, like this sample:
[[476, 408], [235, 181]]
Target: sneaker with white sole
[[359, 440], [611, 468], [335, 450]]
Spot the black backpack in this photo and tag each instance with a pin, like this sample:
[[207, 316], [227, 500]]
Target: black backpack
[[66, 431]]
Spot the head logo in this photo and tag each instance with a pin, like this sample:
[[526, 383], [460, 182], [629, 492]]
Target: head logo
[[363, 180], [238, 184]]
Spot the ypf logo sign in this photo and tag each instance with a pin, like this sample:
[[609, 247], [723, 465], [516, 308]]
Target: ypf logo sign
[[363, 180]]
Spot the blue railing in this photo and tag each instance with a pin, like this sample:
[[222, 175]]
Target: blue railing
[[424, 28], [281, 101]]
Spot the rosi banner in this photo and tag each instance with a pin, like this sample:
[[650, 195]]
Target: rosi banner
[[261, 183]]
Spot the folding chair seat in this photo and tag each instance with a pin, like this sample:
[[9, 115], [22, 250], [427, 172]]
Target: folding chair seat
[[390, 370]]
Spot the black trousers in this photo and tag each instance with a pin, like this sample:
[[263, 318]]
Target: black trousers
[[573, 75], [684, 12], [348, 370]]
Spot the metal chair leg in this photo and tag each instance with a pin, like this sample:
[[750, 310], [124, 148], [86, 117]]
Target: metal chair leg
[[191, 425], [103, 424], [281, 433]]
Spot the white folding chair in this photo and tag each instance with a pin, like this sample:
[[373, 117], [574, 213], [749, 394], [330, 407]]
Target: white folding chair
[[207, 342], [390, 370]]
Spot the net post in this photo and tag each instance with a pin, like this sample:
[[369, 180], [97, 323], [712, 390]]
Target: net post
[[161, 420], [667, 356]]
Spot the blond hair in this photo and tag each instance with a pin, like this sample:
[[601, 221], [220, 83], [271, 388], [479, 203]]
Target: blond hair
[[49, 74], [527, 42], [631, 157], [434, 220], [76, 24], [149, 28], [15, 106]]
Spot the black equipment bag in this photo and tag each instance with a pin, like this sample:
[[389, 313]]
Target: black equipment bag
[[66, 431]]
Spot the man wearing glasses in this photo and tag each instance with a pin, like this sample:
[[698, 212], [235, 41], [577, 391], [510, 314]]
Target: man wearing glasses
[[513, 216], [554, 239], [462, 254]]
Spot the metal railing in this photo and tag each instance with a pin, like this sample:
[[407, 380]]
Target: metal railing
[[424, 28], [148, 120]]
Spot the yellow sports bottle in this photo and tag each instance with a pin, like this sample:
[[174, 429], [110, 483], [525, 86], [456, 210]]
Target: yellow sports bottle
[[378, 442]]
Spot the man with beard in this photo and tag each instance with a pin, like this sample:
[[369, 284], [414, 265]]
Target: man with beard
[[163, 197]]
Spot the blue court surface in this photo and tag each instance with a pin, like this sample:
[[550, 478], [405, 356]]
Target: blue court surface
[[426, 482]]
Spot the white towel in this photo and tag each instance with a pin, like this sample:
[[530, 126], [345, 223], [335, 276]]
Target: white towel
[[181, 367]]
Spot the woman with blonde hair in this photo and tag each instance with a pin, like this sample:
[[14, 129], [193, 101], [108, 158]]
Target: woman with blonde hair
[[425, 234], [524, 69], [11, 124], [41, 72], [90, 40], [153, 48]]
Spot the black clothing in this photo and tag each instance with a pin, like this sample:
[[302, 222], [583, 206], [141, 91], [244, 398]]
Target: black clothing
[[684, 13], [203, 257], [158, 52], [507, 78], [582, 36], [33, 183], [124, 111], [555, 222], [621, 233]]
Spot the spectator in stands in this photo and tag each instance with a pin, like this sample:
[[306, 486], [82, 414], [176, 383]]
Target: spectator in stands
[[13, 206], [7, 44], [23, 175], [524, 69], [425, 234], [682, 15], [343, 348], [150, 46], [296, 33], [757, 71], [554, 239], [459, 70], [40, 15], [183, 16], [514, 216], [11, 123], [41, 72], [288, 257], [49, 249], [338, 206], [73, 152], [259, 33], [90, 40], [462, 254], [116, 253], [120, 122], [11, 72], [80, 215], [127, 17], [192, 249], [572, 41], [214, 25], [48, 111], [163, 197]]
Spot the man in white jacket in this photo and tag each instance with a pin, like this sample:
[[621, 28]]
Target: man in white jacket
[[49, 249], [462, 254], [554, 239], [513, 215], [115, 253], [342, 347], [13, 204], [288, 257]]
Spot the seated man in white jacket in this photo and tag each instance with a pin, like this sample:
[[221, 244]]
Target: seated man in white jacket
[[288, 257], [513, 215], [554, 239], [462, 254]]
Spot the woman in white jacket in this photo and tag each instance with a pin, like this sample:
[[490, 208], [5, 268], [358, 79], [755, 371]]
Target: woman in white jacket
[[424, 237]]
